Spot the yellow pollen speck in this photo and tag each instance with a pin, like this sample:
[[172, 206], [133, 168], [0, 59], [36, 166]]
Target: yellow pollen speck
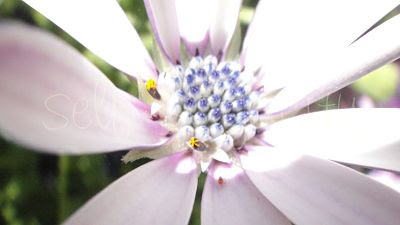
[[194, 142], [151, 85]]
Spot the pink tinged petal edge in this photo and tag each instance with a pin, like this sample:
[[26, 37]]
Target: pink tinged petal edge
[[378, 47], [151, 194], [224, 17], [103, 29], [287, 38], [194, 24], [389, 179], [309, 190], [164, 21], [367, 137], [55, 100], [235, 200]]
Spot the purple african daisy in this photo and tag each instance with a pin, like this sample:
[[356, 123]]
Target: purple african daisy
[[208, 107]]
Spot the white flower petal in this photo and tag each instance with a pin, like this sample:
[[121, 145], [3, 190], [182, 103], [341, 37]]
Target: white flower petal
[[156, 151], [102, 27], [316, 191], [378, 47], [53, 99], [366, 137], [235, 200], [194, 24], [151, 194], [288, 37], [224, 17], [221, 155], [164, 21], [389, 179]]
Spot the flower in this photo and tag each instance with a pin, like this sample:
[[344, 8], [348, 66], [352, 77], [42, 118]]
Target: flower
[[264, 164]]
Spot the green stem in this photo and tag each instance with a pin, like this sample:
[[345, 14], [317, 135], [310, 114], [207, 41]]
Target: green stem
[[63, 169]]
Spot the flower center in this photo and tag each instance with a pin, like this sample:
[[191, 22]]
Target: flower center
[[210, 104]]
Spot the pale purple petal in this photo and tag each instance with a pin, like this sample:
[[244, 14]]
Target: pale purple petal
[[102, 27], [164, 21], [194, 24], [309, 190], [389, 179], [53, 99], [378, 47], [151, 194], [288, 37], [224, 17], [367, 137], [234, 200]]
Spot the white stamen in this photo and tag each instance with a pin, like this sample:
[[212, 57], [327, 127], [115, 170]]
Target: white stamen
[[236, 131], [216, 129], [214, 115], [224, 142], [249, 132], [254, 116], [190, 105], [200, 118], [210, 63], [219, 87], [229, 94], [186, 118], [196, 62], [174, 111], [185, 133], [243, 117], [214, 100], [202, 105], [253, 99], [206, 88], [238, 105], [226, 107], [202, 133], [228, 120]]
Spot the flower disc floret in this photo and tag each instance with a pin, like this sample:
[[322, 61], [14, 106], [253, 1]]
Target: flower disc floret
[[209, 104]]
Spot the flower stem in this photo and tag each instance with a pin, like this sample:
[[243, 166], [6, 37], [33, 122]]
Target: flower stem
[[63, 169]]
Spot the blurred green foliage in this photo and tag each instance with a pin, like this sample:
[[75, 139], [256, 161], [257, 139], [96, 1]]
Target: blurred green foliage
[[380, 84], [44, 189]]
